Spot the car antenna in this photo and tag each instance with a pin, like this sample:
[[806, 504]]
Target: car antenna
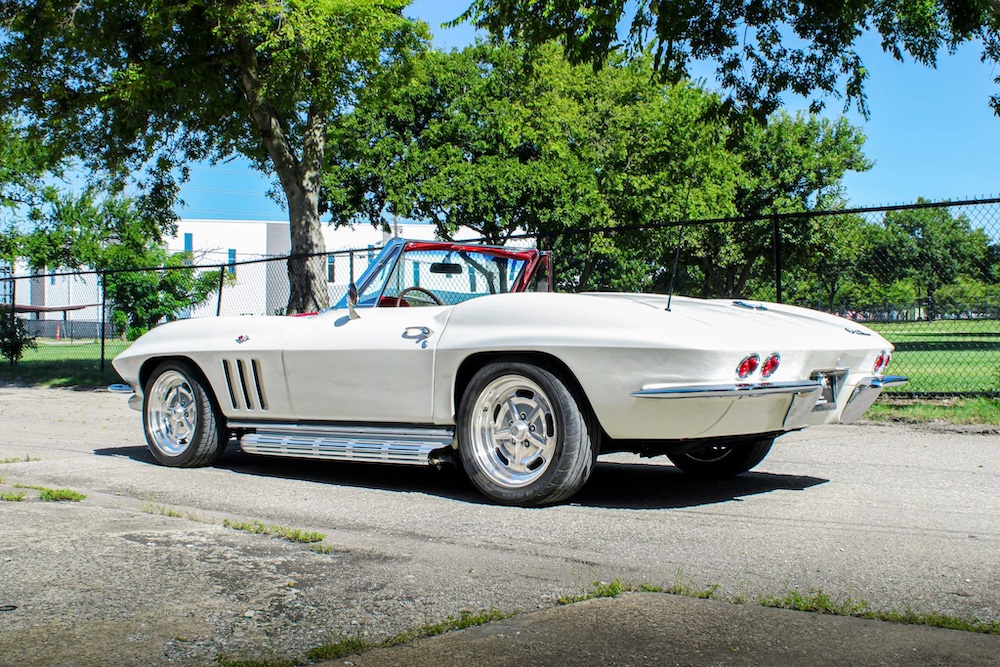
[[677, 250]]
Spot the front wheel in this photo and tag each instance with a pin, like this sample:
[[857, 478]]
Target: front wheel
[[523, 437], [723, 460], [182, 428]]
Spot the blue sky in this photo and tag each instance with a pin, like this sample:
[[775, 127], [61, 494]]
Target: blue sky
[[931, 132]]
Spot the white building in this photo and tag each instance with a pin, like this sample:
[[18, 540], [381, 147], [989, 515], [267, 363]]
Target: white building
[[236, 249], [254, 286]]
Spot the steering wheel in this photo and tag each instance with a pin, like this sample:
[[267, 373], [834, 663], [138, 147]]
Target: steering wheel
[[417, 288]]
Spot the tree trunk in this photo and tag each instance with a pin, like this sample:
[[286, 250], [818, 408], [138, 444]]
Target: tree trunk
[[300, 178]]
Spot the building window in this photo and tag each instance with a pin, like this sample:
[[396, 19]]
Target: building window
[[232, 261], [52, 277], [331, 265], [188, 242]]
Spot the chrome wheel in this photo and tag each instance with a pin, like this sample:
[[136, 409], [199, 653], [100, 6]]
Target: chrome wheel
[[513, 434], [180, 419], [171, 413]]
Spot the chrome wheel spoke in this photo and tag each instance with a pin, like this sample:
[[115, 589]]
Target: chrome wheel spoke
[[509, 436], [172, 413]]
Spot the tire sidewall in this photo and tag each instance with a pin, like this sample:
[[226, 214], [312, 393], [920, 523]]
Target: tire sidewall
[[206, 436], [740, 458], [563, 476]]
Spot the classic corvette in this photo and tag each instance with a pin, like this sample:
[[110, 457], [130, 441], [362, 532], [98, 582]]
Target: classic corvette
[[457, 353]]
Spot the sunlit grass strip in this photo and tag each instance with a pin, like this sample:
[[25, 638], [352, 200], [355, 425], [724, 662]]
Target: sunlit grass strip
[[466, 619], [350, 645], [822, 603], [27, 458], [54, 495], [284, 532], [12, 497], [968, 411]]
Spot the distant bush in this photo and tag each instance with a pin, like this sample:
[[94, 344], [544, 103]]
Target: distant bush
[[14, 336]]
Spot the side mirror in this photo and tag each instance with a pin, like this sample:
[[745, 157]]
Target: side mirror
[[352, 300]]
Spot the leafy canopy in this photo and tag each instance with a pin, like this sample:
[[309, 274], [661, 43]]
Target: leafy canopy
[[139, 89], [760, 48]]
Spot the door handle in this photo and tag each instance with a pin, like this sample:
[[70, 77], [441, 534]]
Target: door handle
[[417, 333]]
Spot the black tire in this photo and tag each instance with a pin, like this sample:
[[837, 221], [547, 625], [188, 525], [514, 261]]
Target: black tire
[[721, 461], [541, 454], [182, 427]]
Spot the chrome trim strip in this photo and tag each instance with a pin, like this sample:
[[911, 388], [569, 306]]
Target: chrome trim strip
[[729, 390], [865, 392], [408, 445], [891, 380]]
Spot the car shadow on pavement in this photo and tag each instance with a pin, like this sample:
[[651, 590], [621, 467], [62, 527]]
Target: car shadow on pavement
[[658, 486], [613, 485]]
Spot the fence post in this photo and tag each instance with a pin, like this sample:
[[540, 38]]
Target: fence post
[[777, 258], [222, 280], [101, 277], [13, 303]]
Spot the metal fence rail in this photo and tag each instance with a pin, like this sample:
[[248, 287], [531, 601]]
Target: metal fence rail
[[925, 275]]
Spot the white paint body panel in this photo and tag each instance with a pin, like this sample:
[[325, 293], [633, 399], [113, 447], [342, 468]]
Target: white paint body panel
[[330, 368]]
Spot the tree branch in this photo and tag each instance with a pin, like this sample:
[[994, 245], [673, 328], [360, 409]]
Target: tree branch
[[266, 119]]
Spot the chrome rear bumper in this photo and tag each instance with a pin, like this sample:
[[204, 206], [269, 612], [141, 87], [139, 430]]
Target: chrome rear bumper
[[729, 390]]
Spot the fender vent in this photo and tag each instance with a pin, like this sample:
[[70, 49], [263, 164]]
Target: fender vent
[[243, 382]]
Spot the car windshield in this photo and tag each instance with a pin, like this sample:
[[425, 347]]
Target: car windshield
[[432, 276]]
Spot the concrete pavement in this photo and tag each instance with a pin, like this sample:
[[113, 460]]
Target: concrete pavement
[[647, 629]]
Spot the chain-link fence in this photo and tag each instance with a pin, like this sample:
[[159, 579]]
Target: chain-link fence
[[927, 276]]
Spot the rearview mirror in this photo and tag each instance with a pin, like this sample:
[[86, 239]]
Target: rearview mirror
[[446, 268]]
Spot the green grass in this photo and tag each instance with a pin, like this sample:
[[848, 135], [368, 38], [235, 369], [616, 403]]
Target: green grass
[[27, 458], [65, 364], [284, 532], [11, 497], [966, 411], [822, 603], [945, 355], [466, 619], [54, 495], [340, 648]]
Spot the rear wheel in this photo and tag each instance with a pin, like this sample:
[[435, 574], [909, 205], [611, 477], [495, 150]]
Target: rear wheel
[[182, 427], [727, 460], [523, 437]]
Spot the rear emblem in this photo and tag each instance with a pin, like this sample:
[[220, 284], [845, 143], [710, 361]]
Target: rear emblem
[[242, 339], [856, 332]]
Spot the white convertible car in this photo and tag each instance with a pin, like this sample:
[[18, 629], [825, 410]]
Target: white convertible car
[[462, 353]]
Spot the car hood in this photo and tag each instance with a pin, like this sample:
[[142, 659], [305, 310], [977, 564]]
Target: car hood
[[755, 320]]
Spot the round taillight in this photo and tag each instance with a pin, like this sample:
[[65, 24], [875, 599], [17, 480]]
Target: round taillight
[[770, 365], [881, 361], [748, 366]]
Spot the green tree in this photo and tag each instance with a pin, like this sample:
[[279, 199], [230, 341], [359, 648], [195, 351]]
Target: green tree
[[789, 164], [490, 139], [761, 48], [144, 283], [24, 161], [931, 249], [155, 84], [827, 277]]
